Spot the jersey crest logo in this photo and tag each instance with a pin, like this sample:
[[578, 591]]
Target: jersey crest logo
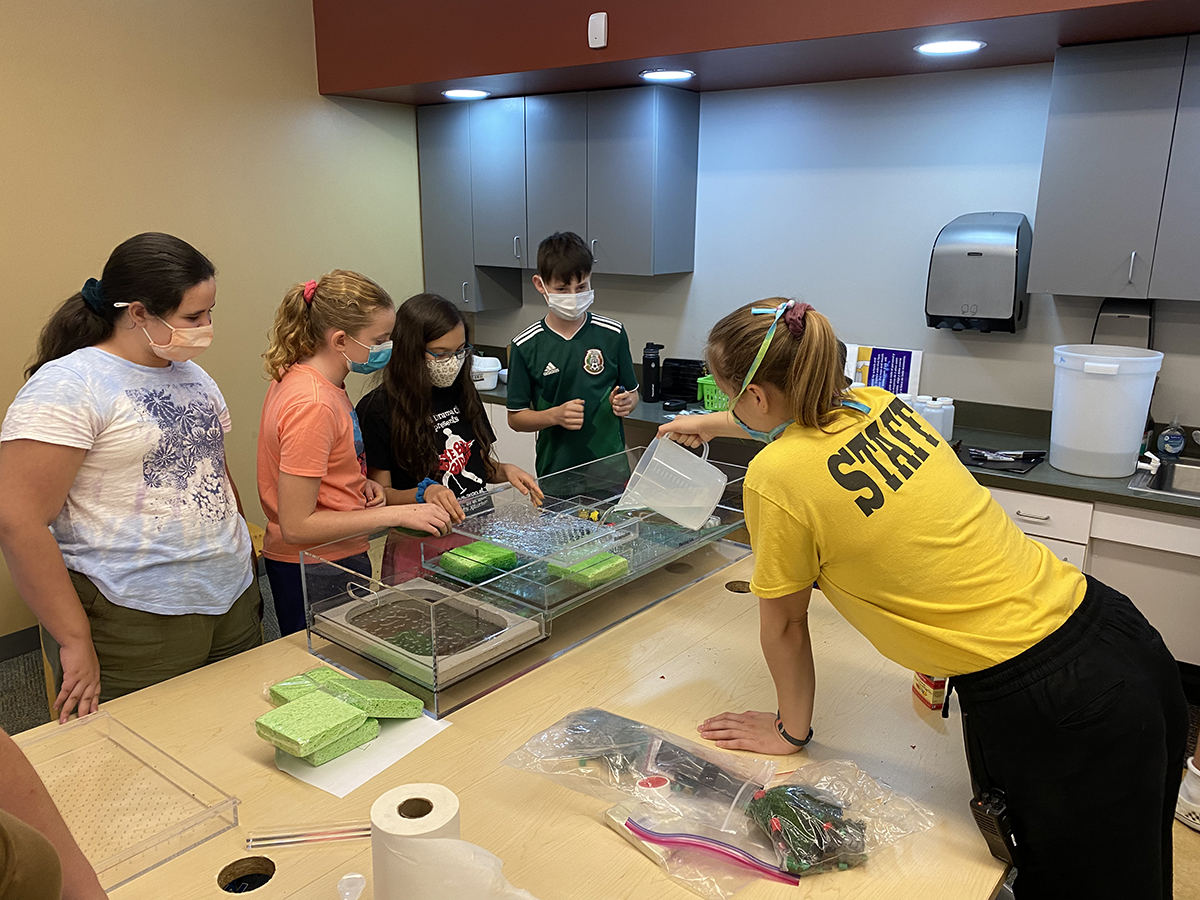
[[593, 362], [551, 369]]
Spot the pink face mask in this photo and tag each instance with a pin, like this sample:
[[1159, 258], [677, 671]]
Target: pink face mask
[[185, 344]]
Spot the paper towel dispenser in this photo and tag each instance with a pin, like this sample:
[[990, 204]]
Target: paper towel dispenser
[[977, 273]]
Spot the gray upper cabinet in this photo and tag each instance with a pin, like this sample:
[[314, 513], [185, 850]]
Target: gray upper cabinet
[[1108, 141], [443, 148], [556, 167], [1176, 273], [642, 148], [444, 151], [498, 181]]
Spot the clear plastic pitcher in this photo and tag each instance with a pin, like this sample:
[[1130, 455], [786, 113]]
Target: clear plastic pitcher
[[673, 482]]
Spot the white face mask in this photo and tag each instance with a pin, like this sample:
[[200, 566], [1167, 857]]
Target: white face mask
[[570, 306], [442, 372]]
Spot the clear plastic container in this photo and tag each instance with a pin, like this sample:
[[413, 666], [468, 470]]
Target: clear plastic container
[[485, 372], [130, 806], [947, 417], [933, 415], [1101, 397]]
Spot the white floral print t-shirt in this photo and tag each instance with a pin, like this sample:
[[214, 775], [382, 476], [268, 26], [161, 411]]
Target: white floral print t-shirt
[[151, 517]]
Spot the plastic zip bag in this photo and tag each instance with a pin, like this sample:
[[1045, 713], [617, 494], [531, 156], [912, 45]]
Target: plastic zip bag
[[614, 758], [708, 861], [832, 815]]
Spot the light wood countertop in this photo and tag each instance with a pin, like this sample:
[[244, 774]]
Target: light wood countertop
[[691, 656]]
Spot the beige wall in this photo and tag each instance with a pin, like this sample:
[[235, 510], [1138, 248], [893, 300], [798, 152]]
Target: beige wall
[[200, 118]]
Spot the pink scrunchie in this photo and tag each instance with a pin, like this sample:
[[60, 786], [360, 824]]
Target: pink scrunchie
[[310, 288], [794, 318]]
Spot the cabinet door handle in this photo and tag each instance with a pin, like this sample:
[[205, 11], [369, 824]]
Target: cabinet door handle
[[1033, 516], [1132, 260], [464, 291], [517, 246], [594, 243]]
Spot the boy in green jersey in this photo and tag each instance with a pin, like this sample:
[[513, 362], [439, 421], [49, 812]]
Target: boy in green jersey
[[570, 375]]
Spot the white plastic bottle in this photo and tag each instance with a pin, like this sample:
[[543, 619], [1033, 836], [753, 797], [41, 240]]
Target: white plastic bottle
[[919, 404], [947, 417], [933, 415], [906, 399]]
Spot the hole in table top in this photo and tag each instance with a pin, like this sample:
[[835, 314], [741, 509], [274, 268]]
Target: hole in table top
[[244, 875], [738, 587], [678, 568]]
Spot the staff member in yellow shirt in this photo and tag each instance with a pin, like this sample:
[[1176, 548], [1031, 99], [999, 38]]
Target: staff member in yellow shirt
[[1073, 709]]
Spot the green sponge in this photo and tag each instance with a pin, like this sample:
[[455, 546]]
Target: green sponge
[[363, 734], [478, 561], [379, 699], [298, 685], [593, 571], [308, 724]]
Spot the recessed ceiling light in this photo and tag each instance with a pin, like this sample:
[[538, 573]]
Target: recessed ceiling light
[[947, 48], [667, 74], [465, 94]]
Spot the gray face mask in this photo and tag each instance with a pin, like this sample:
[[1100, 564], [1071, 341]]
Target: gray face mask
[[442, 372]]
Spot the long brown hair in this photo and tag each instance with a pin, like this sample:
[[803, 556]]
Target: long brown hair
[[152, 268], [341, 301], [409, 391], [808, 371]]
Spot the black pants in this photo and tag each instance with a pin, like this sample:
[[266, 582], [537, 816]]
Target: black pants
[[287, 587], [1085, 732]]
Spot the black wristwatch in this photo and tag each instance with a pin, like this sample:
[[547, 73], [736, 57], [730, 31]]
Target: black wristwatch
[[787, 737]]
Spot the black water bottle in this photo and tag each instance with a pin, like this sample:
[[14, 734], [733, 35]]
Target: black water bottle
[[651, 372]]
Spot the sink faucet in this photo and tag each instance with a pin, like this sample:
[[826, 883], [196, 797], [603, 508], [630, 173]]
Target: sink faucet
[[1152, 465]]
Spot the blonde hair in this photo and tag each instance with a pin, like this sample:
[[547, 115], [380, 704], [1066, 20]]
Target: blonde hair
[[342, 301], [808, 371]]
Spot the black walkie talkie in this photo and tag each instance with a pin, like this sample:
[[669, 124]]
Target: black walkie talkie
[[988, 805], [991, 815]]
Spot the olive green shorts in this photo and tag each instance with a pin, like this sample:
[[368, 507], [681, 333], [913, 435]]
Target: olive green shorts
[[29, 866], [137, 649]]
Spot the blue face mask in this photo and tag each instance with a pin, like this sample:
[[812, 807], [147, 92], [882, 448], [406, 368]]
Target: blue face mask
[[377, 358], [765, 436]]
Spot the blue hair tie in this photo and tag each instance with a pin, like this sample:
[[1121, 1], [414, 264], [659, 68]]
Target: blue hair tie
[[93, 295]]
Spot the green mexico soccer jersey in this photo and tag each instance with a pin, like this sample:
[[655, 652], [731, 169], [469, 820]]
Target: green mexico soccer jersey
[[546, 370]]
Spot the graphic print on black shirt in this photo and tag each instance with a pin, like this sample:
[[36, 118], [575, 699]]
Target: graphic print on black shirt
[[460, 466]]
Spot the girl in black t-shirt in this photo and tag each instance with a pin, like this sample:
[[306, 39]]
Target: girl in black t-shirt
[[426, 435]]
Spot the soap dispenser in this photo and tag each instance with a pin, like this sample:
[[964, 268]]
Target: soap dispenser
[[1170, 442]]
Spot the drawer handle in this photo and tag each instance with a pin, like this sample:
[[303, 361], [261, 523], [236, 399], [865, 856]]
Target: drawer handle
[[1033, 516]]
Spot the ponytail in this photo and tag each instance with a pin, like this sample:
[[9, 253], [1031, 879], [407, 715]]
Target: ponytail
[[153, 269], [808, 370], [339, 301]]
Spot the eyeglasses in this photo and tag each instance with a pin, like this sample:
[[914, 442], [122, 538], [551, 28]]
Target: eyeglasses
[[461, 353]]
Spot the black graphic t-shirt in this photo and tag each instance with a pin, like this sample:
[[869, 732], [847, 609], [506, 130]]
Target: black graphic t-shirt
[[460, 466]]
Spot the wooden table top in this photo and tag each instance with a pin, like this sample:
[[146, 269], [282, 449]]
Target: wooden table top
[[671, 666]]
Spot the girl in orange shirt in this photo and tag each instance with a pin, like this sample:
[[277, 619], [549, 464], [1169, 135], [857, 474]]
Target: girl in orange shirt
[[311, 466]]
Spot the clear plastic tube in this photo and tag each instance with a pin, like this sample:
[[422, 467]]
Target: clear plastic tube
[[307, 834], [725, 851]]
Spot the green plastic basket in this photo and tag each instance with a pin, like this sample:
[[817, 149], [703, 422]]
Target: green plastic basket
[[715, 399]]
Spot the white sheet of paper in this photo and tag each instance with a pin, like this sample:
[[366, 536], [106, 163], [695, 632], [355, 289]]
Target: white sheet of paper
[[397, 738]]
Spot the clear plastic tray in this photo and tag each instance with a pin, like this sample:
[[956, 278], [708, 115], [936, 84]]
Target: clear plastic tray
[[130, 806]]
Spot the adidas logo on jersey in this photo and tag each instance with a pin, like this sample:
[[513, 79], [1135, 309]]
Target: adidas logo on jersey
[[551, 369]]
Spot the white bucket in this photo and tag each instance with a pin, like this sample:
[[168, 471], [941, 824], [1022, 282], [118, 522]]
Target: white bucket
[[485, 372], [675, 483], [1101, 398]]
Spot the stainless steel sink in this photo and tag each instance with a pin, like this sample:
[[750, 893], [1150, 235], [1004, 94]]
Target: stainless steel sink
[[1178, 477]]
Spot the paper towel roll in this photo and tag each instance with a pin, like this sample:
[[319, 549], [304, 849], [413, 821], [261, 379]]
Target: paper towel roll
[[415, 811], [416, 853]]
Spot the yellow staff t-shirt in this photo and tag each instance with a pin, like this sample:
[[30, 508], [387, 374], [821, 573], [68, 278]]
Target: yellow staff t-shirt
[[908, 547]]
